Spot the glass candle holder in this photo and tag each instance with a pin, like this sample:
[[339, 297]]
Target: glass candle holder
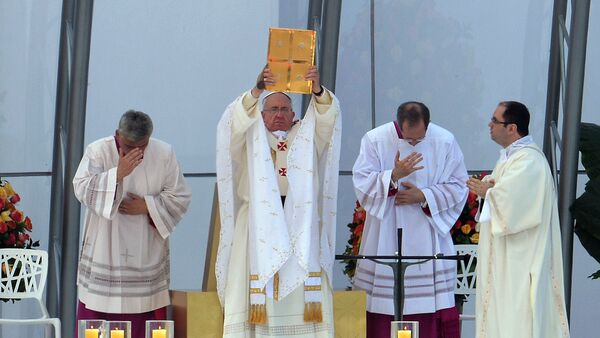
[[117, 329], [404, 329], [90, 328], [160, 329]]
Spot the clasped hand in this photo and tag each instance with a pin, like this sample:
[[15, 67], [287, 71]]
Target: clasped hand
[[478, 186]]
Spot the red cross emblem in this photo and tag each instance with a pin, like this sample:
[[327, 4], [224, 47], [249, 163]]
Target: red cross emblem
[[283, 172], [282, 145]]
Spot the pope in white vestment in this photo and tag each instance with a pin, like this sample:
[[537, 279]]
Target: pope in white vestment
[[124, 263], [426, 223], [519, 262], [277, 183]]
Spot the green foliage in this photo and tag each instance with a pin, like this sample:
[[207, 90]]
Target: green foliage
[[585, 208]]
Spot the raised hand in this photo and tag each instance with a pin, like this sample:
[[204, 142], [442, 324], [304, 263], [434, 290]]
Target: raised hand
[[409, 195], [133, 205], [128, 162], [478, 186], [265, 78], [406, 166], [312, 74]]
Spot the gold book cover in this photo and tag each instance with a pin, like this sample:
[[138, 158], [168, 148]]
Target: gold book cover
[[291, 52]]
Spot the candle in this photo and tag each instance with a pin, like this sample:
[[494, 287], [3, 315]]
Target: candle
[[92, 333], [404, 334], [116, 333], [160, 333]]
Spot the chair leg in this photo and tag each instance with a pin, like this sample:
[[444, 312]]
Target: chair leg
[[57, 332]]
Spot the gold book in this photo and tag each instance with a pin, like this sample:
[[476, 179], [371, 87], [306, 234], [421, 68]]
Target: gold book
[[291, 52]]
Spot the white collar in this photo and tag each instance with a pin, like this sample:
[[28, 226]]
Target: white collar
[[513, 147], [280, 134]]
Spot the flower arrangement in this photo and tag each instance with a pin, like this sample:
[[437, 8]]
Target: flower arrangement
[[465, 229], [356, 231], [14, 225]]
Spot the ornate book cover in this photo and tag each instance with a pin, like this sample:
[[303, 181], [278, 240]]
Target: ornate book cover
[[291, 52]]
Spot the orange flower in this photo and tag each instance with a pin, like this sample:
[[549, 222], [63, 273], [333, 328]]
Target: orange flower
[[466, 229]]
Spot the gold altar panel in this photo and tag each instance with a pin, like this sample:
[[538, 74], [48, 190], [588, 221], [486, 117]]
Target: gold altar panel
[[350, 314], [198, 314], [294, 48]]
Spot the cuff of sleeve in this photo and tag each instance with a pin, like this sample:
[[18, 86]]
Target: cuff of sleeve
[[325, 98], [155, 217], [117, 197], [249, 101]]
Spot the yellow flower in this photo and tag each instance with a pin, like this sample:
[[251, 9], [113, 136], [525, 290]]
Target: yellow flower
[[475, 238], [5, 216], [3, 194], [8, 188], [465, 229]]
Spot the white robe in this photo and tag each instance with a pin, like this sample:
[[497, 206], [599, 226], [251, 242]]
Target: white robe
[[288, 240], [124, 263], [519, 263], [430, 286]]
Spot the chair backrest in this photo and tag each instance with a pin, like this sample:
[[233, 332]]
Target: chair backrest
[[465, 277], [23, 273]]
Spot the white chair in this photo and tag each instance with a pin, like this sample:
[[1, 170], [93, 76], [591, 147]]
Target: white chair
[[23, 275], [465, 278]]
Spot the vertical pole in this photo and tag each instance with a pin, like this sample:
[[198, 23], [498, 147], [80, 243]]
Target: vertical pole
[[372, 31], [60, 122], [315, 9], [399, 281], [75, 139], [554, 77], [571, 122], [329, 46]]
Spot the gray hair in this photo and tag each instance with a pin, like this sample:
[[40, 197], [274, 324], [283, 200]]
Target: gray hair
[[135, 125]]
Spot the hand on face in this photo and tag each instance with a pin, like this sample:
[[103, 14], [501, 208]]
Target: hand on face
[[406, 166], [133, 205], [410, 195], [128, 162]]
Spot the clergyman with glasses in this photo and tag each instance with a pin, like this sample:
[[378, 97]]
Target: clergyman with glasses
[[410, 174], [277, 182], [519, 270]]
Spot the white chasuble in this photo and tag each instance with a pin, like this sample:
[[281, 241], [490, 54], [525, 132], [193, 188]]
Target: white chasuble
[[124, 263], [519, 262], [429, 286], [280, 246]]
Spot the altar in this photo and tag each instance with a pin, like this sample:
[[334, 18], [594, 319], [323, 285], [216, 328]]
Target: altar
[[198, 314]]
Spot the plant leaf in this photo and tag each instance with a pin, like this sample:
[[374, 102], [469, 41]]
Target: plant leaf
[[589, 145]]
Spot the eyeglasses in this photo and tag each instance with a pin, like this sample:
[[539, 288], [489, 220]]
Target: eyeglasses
[[274, 110], [495, 121]]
